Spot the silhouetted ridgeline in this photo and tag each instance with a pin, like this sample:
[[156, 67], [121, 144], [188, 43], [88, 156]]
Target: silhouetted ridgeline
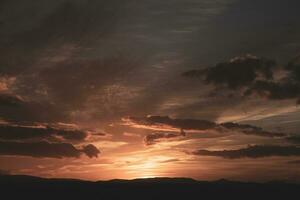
[[27, 187]]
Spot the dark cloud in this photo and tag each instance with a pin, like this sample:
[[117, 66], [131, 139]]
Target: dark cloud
[[294, 162], [16, 109], [71, 83], [15, 132], [251, 130], [99, 134], [153, 138], [68, 49], [294, 139], [46, 149], [91, 151], [186, 124], [252, 152], [294, 68], [70, 134], [65, 88], [62, 49], [275, 91], [8, 100], [202, 125], [236, 73], [252, 75], [55, 24]]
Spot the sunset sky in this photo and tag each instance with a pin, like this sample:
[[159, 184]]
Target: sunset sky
[[124, 89]]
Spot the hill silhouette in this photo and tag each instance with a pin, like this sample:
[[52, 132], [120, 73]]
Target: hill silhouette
[[28, 187]]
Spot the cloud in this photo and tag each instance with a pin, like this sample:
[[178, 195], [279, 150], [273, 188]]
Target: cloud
[[63, 49], [128, 134], [252, 75], [5, 83], [252, 152], [236, 73], [46, 149], [294, 139], [16, 109], [153, 138], [99, 134], [170, 160], [15, 132], [86, 77], [187, 124], [38, 141], [55, 24], [90, 80], [10, 100], [294, 67], [165, 123], [294, 162], [91, 151], [275, 91], [251, 130]]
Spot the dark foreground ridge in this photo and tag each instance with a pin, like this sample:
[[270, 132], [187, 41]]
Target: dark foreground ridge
[[27, 187]]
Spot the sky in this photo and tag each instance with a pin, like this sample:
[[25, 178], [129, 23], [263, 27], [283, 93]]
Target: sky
[[99, 90]]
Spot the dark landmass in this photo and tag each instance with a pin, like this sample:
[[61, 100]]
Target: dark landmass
[[28, 187]]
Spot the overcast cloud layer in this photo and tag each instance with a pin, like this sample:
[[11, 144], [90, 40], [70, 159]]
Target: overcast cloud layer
[[197, 81]]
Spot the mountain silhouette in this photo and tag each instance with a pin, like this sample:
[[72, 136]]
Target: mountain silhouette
[[28, 187]]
